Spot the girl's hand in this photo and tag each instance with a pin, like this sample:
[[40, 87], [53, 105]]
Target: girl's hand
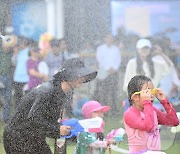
[[160, 95], [112, 141]]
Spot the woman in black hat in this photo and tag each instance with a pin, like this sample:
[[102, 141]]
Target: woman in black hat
[[38, 112]]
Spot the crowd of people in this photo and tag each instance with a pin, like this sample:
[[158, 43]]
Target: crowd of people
[[31, 79], [117, 60]]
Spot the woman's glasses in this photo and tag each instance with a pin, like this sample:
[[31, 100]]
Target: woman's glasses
[[153, 91]]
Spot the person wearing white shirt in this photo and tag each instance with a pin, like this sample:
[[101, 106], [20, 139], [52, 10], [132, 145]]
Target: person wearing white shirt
[[109, 60], [19, 59]]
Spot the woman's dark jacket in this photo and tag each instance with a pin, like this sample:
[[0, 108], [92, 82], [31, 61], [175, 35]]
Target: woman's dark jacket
[[39, 111]]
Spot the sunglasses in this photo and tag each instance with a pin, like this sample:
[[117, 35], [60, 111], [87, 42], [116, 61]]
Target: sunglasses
[[153, 91]]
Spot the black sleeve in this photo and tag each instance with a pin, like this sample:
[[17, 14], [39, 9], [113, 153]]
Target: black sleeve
[[39, 115], [68, 105]]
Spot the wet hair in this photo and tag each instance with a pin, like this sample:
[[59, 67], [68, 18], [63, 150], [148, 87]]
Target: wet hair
[[22, 40], [139, 68], [31, 42], [33, 49], [54, 43], [135, 84], [63, 40]]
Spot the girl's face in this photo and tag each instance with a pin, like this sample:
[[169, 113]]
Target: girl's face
[[149, 85], [137, 98], [97, 114]]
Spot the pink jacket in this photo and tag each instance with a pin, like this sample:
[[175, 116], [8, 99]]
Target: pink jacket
[[142, 126]]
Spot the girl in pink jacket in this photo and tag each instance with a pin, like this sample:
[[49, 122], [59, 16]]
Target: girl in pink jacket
[[142, 119]]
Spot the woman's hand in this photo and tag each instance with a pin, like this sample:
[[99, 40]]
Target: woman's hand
[[64, 130], [45, 78], [160, 95]]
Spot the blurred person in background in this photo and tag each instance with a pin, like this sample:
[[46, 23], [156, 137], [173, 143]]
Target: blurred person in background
[[109, 61], [176, 88], [127, 45], [35, 77], [88, 55], [54, 58], [6, 70], [63, 48], [19, 59], [171, 79]]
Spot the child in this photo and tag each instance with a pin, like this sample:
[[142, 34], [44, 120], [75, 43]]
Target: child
[[141, 119], [92, 142], [35, 77]]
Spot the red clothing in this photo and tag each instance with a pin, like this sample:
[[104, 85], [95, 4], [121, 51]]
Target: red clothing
[[142, 126]]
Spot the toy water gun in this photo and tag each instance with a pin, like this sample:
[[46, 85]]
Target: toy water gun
[[78, 126], [116, 135]]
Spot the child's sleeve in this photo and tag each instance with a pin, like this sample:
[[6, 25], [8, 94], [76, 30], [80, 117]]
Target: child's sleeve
[[136, 121], [169, 117]]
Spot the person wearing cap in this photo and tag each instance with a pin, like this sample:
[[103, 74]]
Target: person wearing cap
[[92, 141], [145, 64], [37, 115]]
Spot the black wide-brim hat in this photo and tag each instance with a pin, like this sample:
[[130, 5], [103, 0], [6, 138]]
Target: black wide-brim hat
[[73, 69]]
